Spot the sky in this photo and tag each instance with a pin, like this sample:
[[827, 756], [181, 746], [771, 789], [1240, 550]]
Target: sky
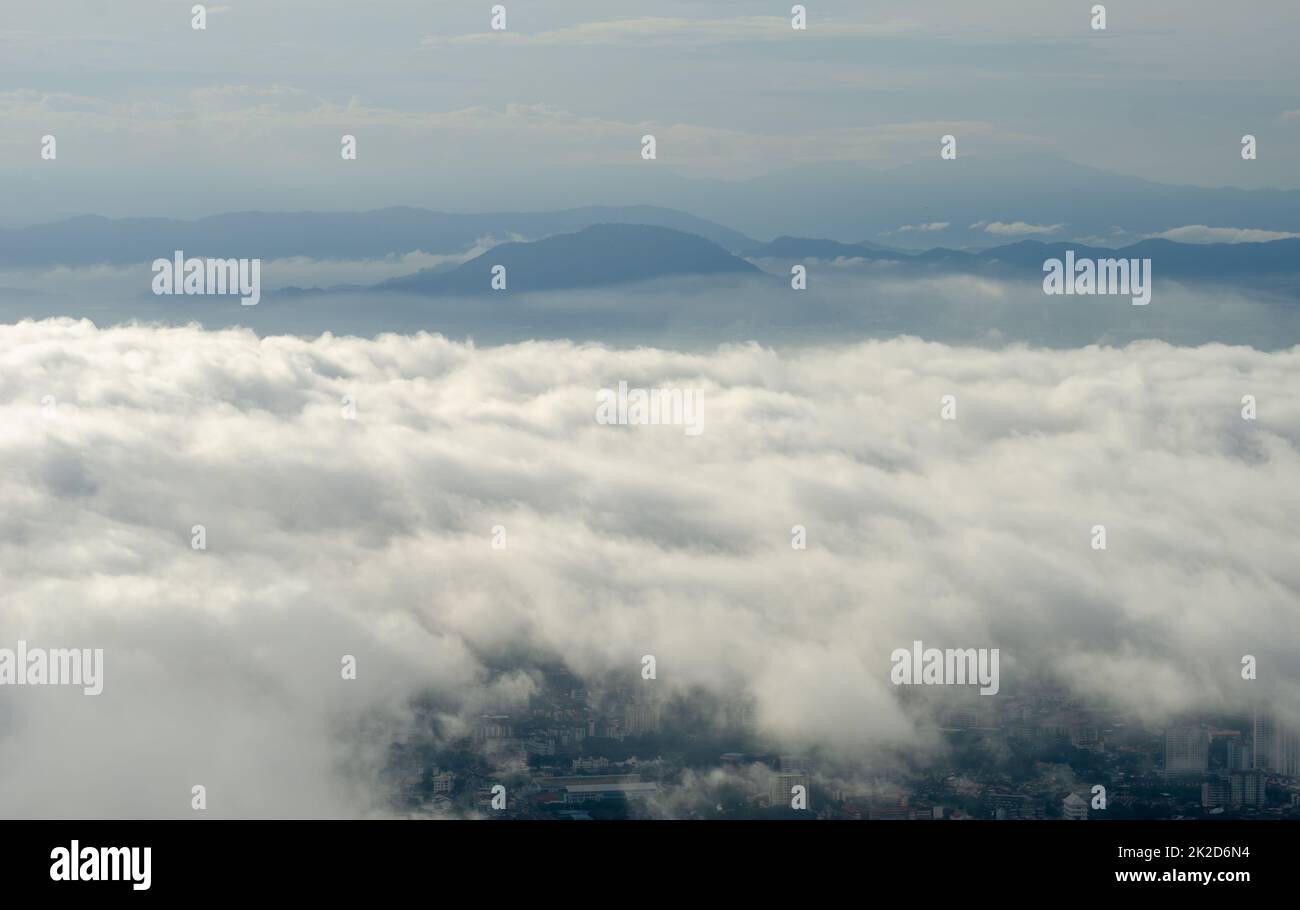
[[155, 118]]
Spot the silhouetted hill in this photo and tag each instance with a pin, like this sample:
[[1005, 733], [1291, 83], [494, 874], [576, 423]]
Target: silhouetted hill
[[1225, 263], [1233, 263], [604, 254], [848, 202], [810, 248]]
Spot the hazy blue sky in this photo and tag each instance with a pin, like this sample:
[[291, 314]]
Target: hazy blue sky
[[153, 117]]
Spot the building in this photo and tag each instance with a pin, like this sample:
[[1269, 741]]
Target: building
[[742, 713], [640, 719], [569, 780], [584, 793], [1247, 789], [492, 729], [1011, 805], [1276, 745], [1075, 808], [1215, 794], [1240, 755], [1234, 790], [539, 745], [1086, 735], [1187, 751], [780, 789]]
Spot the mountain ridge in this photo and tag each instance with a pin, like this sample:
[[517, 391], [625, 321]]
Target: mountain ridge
[[599, 255], [377, 233]]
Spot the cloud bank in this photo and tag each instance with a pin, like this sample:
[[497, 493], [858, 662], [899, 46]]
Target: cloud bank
[[1016, 228], [372, 537], [1200, 233]]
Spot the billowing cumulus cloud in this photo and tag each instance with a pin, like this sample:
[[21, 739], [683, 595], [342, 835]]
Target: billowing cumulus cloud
[[372, 537]]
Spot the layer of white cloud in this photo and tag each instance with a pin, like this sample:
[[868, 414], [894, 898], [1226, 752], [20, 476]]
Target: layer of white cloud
[[371, 537], [1015, 228], [924, 228], [135, 279], [1200, 233]]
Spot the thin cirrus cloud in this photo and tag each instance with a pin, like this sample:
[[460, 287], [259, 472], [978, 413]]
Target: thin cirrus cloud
[[674, 31], [217, 117], [296, 156], [1021, 69], [371, 537]]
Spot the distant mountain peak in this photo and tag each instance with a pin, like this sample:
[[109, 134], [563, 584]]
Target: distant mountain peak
[[598, 255]]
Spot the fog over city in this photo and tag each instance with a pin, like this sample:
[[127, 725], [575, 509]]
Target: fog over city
[[372, 537]]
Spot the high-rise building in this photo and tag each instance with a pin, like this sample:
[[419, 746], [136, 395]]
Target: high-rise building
[[1215, 794], [1186, 751], [1276, 745], [1234, 790], [1224, 745], [1241, 754], [780, 790], [1247, 789]]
